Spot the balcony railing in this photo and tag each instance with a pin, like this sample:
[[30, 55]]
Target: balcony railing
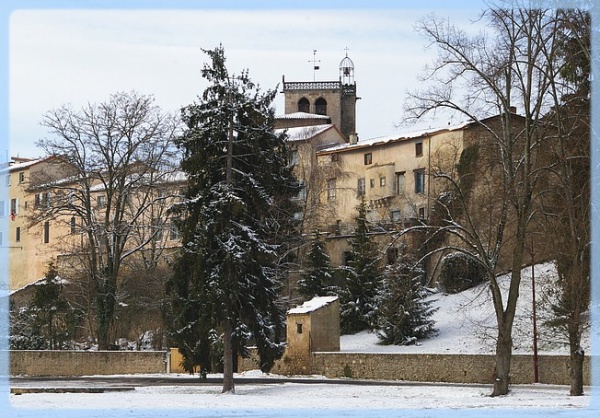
[[312, 85]]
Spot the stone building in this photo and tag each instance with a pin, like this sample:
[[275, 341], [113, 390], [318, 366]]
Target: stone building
[[335, 99], [311, 327]]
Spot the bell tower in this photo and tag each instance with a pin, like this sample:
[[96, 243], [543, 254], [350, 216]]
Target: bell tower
[[348, 97], [335, 99]]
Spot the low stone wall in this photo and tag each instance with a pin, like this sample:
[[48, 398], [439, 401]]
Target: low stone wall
[[86, 363], [451, 368]]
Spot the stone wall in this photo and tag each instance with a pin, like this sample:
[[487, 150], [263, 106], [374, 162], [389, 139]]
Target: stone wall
[[449, 368], [86, 363]]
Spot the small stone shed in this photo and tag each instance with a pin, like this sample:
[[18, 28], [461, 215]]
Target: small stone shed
[[313, 326]]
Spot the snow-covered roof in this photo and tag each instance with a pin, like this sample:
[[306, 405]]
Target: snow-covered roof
[[22, 164], [312, 305], [395, 138], [302, 133], [301, 115], [57, 280]]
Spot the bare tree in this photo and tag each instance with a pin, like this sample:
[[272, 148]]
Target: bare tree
[[117, 153], [567, 203], [495, 74]]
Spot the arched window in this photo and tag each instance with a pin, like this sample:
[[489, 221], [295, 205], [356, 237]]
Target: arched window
[[303, 105], [321, 106]]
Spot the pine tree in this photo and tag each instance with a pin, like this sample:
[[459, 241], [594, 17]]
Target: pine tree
[[317, 281], [358, 298], [237, 206], [49, 321], [404, 312]]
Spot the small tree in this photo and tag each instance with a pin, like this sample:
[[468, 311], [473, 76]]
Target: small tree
[[358, 298], [319, 275], [49, 322], [404, 312]]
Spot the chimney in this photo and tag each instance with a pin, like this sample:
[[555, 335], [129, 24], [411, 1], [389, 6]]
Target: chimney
[[353, 139]]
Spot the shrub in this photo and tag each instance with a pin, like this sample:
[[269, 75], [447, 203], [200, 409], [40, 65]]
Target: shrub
[[460, 272]]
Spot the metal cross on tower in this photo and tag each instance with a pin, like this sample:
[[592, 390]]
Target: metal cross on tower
[[314, 62]]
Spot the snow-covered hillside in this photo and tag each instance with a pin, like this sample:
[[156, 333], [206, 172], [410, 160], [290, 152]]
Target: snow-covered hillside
[[466, 322]]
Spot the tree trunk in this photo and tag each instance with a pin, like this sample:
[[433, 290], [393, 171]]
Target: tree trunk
[[228, 385], [577, 355], [503, 358], [105, 303]]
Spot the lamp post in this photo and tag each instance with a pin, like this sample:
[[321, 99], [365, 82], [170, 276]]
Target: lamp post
[[535, 348]]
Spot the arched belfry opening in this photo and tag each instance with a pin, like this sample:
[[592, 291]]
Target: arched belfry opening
[[321, 106], [335, 99], [304, 105], [347, 71]]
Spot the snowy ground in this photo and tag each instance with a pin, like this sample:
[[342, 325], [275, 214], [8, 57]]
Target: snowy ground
[[296, 399], [465, 322]]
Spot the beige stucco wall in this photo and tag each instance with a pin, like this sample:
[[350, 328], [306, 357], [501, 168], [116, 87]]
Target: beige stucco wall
[[439, 151]]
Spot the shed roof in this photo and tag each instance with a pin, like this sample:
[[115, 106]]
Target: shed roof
[[312, 305]]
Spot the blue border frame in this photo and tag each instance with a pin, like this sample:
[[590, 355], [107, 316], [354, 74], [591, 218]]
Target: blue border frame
[[8, 6]]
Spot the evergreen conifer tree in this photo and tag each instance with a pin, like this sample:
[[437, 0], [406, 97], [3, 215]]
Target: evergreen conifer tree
[[358, 298], [404, 312], [237, 207], [49, 321], [317, 281]]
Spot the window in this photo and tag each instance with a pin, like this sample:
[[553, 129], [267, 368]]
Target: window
[[14, 207], [419, 181], [421, 213], [381, 181], [299, 328], [419, 149], [396, 216], [156, 229], [400, 183], [302, 192], [360, 187], [391, 256], [331, 189], [321, 106], [304, 105], [2, 208], [335, 157], [294, 157], [21, 177], [18, 234], [173, 232], [46, 232], [42, 200], [348, 258], [371, 183], [8, 180], [101, 202], [73, 225], [368, 158]]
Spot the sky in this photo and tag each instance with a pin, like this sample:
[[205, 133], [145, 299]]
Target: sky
[[68, 56]]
